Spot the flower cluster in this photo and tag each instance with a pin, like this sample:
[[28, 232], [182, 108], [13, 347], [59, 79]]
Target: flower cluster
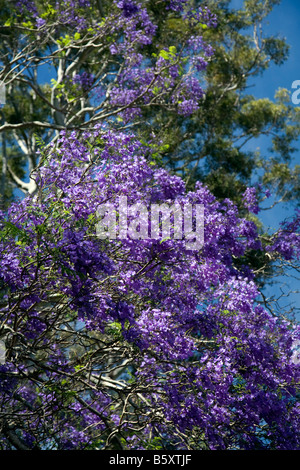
[[286, 242], [85, 80], [26, 6], [128, 7], [250, 200]]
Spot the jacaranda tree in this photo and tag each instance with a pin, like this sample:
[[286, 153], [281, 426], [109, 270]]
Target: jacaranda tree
[[121, 331]]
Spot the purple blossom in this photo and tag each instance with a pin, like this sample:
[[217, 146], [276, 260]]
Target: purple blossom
[[27, 6], [176, 5], [187, 107], [129, 7], [250, 200], [286, 242], [40, 22], [85, 80]]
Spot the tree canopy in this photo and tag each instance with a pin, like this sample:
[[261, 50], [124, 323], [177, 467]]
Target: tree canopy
[[119, 333]]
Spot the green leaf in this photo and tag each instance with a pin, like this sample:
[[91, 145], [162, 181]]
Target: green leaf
[[164, 54]]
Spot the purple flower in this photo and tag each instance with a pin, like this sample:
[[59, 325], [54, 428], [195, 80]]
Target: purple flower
[[85, 80], [40, 22], [27, 6], [250, 200], [129, 7]]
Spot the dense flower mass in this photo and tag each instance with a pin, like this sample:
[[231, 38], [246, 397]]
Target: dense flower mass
[[83, 314]]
